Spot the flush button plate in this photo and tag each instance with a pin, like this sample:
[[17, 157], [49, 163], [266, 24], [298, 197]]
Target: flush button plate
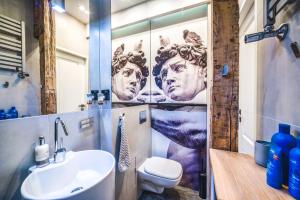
[[143, 116]]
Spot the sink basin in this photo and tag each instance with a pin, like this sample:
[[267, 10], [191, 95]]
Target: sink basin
[[83, 175]]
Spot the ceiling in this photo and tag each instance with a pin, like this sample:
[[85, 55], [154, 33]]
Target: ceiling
[[72, 7], [117, 5]]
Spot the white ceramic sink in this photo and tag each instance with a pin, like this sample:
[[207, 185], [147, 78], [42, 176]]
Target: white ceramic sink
[[83, 175]]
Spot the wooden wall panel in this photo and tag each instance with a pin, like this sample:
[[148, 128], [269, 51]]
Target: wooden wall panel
[[224, 107]]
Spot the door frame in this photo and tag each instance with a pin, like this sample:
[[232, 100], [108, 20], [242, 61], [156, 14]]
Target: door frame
[[74, 57], [248, 16]]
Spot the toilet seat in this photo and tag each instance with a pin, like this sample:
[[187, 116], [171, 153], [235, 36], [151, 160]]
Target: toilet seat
[[162, 167], [154, 177]]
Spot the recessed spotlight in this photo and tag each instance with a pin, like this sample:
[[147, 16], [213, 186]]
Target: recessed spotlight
[[58, 5], [58, 9], [81, 8]]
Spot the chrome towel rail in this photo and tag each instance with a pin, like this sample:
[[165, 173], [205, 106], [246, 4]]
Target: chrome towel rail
[[12, 45]]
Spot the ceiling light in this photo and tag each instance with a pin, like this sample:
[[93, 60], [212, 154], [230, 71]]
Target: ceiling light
[[58, 8], [58, 5], [81, 8]]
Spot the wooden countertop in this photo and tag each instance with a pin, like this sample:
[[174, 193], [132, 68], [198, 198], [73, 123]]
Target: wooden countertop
[[238, 177]]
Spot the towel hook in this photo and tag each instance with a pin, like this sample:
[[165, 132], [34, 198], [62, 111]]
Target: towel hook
[[122, 115]]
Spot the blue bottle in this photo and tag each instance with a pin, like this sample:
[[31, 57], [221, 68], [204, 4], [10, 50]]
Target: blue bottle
[[13, 112], [274, 167], [2, 115], [286, 142], [294, 175]]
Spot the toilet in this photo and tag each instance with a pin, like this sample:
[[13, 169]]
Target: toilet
[[157, 173]]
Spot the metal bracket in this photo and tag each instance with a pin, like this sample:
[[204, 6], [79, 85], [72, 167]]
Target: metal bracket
[[295, 49], [272, 9]]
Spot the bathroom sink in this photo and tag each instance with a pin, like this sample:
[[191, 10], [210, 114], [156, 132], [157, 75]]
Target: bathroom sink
[[83, 175]]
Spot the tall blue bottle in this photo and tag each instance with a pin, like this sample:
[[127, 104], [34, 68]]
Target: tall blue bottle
[[286, 142], [13, 112], [2, 114], [274, 167], [294, 175]]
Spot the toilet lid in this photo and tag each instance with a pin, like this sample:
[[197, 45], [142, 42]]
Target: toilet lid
[[163, 167]]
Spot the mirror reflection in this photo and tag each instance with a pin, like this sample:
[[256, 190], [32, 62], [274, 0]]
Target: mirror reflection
[[44, 68]]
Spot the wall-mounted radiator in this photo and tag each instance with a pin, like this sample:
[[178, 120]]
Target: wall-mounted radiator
[[12, 45]]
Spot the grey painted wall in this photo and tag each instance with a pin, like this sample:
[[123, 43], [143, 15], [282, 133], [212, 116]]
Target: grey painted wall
[[24, 94], [140, 145], [19, 136], [279, 77]]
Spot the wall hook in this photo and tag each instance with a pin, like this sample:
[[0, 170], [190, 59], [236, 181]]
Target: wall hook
[[23, 75], [295, 49], [5, 84]]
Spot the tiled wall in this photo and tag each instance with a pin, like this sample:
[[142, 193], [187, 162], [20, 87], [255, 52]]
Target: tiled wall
[[279, 76], [18, 138]]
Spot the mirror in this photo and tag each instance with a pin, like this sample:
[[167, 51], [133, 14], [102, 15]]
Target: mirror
[[20, 62]]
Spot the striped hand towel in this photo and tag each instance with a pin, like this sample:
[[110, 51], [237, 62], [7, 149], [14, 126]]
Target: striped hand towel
[[124, 155]]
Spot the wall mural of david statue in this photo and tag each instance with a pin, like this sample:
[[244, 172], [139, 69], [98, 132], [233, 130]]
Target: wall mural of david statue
[[181, 70], [129, 73]]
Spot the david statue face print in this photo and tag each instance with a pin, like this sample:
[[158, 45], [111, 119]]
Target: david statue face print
[[129, 73], [127, 82], [180, 70], [181, 79]]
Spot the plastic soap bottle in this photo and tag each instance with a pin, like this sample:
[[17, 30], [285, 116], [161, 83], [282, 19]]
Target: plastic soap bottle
[[2, 115], [294, 175], [13, 112], [274, 167], [286, 142]]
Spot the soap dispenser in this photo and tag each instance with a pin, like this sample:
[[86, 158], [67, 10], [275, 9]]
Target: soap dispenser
[[42, 153]]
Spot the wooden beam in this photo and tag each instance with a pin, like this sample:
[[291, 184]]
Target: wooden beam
[[225, 89], [45, 32]]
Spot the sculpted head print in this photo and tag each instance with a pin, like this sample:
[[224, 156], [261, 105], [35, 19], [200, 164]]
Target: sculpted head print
[[180, 70], [129, 73]]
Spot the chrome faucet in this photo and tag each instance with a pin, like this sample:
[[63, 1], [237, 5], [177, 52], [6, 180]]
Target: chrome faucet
[[59, 152]]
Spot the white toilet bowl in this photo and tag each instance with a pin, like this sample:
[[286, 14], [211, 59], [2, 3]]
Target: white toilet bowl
[[157, 173]]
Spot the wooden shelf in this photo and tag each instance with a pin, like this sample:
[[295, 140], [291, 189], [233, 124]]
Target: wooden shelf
[[238, 177]]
